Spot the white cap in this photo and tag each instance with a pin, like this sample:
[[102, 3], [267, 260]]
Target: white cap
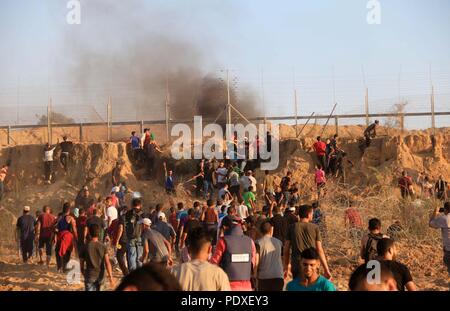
[[145, 221], [26, 208], [292, 208], [115, 189], [162, 216], [137, 195]]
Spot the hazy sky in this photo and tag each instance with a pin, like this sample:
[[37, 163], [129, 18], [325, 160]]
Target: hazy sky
[[321, 48]]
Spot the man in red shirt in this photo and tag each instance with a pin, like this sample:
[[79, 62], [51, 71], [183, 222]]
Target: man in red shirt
[[405, 184], [236, 254], [44, 230], [354, 223], [320, 150]]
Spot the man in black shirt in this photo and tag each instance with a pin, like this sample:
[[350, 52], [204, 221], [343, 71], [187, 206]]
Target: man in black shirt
[[130, 230], [66, 150], [93, 261], [387, 252], [25, 234], [371, 132], [277, 223]]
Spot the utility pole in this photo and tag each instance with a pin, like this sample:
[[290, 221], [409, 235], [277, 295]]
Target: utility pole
[[366, 104], [167, 109], [108, 117], [433, 124], [228, 105], [49, 121], [262, 95], [296, 112]]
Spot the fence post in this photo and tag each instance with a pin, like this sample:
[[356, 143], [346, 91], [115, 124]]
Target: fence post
[[108, 119], [402, 123], [433, 124], [8, 136], [49, 121], [366, 104], [142, 127], [336, 122], [81, 132]]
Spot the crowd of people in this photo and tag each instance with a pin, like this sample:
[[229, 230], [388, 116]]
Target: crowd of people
[[231, 238]]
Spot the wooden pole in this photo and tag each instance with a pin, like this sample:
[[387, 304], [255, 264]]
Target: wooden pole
[[141, 127], [433, 124], [167, 110], [108, 117], [81, 132], [366, 104], [329, 117], [8, 140], [336, 122], [49, 121], [228, 103], [307, 121], [296, 112]]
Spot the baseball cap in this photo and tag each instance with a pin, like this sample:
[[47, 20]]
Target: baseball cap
[[26, 208], [137, 195], [292, 209], [85, 188], [115, 189], [145, 221], [161, 215]]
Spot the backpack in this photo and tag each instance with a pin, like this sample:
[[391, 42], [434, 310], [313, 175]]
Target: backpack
[[371, 246], [132, 229]]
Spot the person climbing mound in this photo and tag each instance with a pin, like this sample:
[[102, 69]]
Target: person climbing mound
[[369, 133]]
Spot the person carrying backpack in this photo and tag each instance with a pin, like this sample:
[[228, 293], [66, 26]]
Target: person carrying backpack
[[130, 232], [370, 240]]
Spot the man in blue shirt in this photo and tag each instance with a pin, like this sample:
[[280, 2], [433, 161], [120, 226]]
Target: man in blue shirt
[[135, 145], [309, 279]]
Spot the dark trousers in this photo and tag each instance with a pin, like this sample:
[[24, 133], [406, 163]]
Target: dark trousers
[[270, 285], [322, 161], [26, 246], [2, 189], [61, 262], [212, 231], [48, 166], [121, 255], [64, 159]]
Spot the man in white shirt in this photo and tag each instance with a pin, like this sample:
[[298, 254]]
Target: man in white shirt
[[111, 211], [221, 173], [442, 221], [48, 162], [252, 181], [198, 274], [242, 210]]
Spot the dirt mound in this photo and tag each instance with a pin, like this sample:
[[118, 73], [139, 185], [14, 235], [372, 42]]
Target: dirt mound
[[371, 185]]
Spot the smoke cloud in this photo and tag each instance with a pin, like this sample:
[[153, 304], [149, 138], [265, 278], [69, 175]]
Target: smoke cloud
[[132, 53]]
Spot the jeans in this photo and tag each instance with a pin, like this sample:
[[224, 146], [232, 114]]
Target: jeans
[[287, 197], [92, 286], [208, 188], [26, 247], [134, 252]]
